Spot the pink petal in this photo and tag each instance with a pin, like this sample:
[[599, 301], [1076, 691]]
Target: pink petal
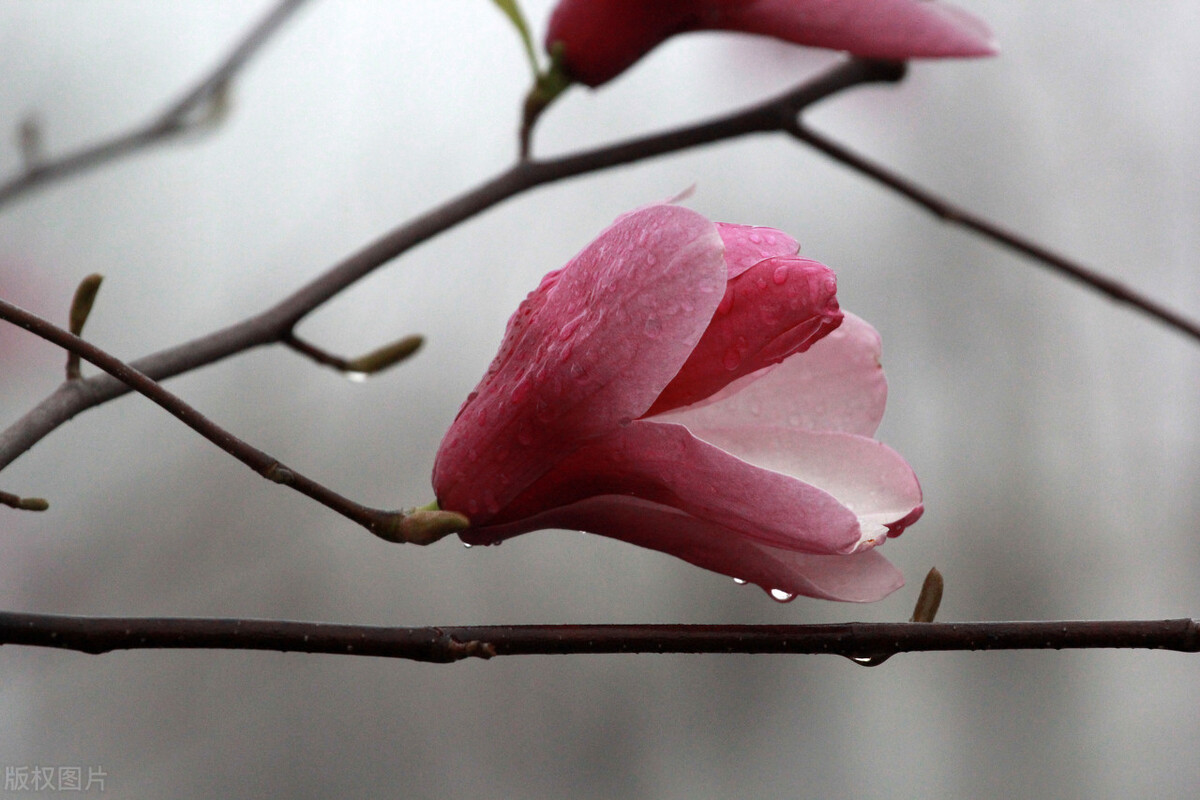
[[592, 347], [869, 478], [777, 308], [862, 577], [600, 39], [889, 29], [746, 245], [837, 385], [667, 465]]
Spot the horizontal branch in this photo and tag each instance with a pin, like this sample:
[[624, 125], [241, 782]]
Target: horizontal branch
[[864, 642], [170, 122]]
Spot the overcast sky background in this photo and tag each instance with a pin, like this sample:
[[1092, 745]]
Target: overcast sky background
[[1055, 433]]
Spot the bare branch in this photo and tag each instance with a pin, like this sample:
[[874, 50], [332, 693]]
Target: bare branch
[[948, 212], [370, 363], [393, 526], [177, 118], [863, 642]]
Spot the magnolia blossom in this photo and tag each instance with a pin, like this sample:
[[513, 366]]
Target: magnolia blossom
[[690, 387], [600, 39]]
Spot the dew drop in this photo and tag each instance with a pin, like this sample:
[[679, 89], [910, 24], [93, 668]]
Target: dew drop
[[733, 359], [577, 372], [870, 661], [356, 377], [779, 595], [652, 327], [760, 282], [780, 275], [755, 237], [651, 259]]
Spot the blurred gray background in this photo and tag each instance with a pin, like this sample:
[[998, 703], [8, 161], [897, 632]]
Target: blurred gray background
[[1055, 433]]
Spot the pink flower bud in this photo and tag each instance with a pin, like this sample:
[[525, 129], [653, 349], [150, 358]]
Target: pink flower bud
[[693, 388], [600, 39]]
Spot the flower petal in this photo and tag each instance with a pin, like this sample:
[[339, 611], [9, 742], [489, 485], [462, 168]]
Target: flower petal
[[890, 29], [837, 385], [668, 465], [868, 477], [589, 349], [861, 578], [772, 310], [600, 39], [746, 245]]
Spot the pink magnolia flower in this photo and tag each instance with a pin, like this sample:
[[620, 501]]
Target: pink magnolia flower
[[602, 38], [693, 388]]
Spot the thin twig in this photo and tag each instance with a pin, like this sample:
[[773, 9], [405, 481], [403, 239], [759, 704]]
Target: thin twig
[[367, 364], [864, 642], [955, 215], [390, 525], [171, 121], [275, 323]]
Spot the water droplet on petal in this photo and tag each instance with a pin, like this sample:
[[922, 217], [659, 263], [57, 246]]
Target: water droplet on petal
[[760, 282], [355, 377], [653, 327], [577, 371], [756, 238], [651, 259], [780, 275], [733, 359], [779, 595]]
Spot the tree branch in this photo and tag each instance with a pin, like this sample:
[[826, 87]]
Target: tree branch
[[948, 212], [276, 323], [392, 526], [172, 121], [864, 642]]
